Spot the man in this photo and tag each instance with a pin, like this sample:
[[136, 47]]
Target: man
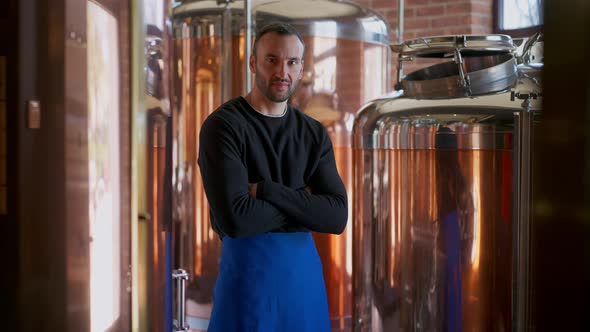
[[270, 177]]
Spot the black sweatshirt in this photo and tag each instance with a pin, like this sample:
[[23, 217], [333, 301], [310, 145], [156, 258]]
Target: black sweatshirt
[[284, 155]]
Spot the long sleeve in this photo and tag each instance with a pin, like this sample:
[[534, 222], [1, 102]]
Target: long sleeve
[[324, 210], [225, 178]]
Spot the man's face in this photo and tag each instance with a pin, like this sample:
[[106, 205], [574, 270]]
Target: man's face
[[277, 65]]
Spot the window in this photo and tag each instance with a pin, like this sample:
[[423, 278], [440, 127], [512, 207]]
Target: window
[[103, 166], [518, 18]]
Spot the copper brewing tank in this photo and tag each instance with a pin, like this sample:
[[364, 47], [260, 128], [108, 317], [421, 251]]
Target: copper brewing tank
[[442, 190], [346, 50], [154, 229]]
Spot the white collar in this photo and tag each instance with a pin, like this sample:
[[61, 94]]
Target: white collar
[[268, 115]]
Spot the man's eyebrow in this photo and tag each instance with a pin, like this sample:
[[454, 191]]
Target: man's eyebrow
[[270, 55]]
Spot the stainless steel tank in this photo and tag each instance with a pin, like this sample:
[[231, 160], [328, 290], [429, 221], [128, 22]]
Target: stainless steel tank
[[442, 189], [347, 47]]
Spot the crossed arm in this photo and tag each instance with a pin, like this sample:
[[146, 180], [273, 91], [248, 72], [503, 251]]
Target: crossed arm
[[244, 209]]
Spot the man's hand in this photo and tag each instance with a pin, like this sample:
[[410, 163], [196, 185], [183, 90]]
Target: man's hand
[[252, 188], [308, 189]]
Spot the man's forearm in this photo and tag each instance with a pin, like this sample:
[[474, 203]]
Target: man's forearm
[[321, 212]]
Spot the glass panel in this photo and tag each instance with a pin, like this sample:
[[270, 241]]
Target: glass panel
[[198, 84], [103, 166], [374, 85], [325, 65], [518, 14], [339, 76], [331, 90], [155, 264]]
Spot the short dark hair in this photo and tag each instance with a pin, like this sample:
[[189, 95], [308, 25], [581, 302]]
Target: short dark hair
[[284, 29]]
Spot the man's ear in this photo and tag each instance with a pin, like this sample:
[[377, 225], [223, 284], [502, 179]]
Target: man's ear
[[253, 64]]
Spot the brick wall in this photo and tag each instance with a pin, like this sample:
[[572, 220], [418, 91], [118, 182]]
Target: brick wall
[[424, 18], [435, 17]]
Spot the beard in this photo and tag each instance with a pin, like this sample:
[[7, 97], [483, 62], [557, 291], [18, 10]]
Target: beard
[[265, 86]]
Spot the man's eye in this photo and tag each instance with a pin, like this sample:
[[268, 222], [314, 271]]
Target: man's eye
[[271, 60]]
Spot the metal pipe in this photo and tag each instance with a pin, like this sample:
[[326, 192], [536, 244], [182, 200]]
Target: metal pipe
[[247, 46], [181, 276], [400, 22], [226, 33], [400, 40], [524, 123]]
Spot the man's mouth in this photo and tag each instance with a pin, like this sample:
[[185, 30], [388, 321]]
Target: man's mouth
[[281, 83]]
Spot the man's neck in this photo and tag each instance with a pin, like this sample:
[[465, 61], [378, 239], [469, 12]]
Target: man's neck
[[264, 105]]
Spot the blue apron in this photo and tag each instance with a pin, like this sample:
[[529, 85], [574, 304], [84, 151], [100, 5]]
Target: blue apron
[[271, 282]]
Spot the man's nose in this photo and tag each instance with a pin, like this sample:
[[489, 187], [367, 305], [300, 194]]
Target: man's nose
[[282, 69]]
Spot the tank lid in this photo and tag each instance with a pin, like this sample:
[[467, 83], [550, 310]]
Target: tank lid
[[473, 76], [320, 18], [445, 46], [329, 19]]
